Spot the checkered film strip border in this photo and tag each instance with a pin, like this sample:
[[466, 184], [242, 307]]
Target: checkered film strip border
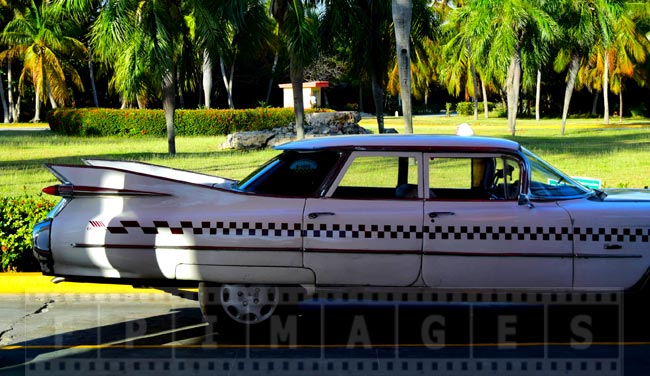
[[365, 231]]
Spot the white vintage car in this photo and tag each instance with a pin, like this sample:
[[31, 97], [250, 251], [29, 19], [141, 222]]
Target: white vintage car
[[381, 212]]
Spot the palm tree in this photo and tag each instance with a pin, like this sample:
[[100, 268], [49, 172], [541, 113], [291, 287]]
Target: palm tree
[[210, 29], [587, 26], [536, 54], [402, 15], [609, 12], [149, 46], [423, 40], [300, 34], [631, 47], [625, 46], [500, 30], [40, 36], [458, 65], [245, 38], [8, 10], [361, 29]]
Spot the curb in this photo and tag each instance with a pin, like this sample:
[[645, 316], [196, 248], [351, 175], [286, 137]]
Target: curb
[[36, 283]]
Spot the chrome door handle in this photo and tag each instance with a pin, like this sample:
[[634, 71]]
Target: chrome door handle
[[438, 214], [318, 214]]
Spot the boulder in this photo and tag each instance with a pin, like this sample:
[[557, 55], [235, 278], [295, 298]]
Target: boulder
[[248, 140], [317, 124]]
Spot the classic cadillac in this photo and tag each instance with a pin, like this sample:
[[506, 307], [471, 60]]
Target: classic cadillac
[[380, 212]]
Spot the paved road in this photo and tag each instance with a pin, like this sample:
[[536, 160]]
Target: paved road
[[51, 334]]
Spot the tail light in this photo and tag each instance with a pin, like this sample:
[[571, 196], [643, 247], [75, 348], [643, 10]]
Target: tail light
[[63, 190]]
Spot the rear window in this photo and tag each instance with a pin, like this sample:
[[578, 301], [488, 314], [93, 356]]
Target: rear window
[[291, 174]]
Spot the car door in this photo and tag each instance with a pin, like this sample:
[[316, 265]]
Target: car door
[[610, 241], [367, 229], [477, 235]]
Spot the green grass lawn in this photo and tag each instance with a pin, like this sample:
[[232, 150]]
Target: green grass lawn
[[619, 154]]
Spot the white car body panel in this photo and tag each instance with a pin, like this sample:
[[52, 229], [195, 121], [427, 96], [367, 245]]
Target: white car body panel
[[128, 220], [498, 244], [611, 244], [139, 237], [359, 244]]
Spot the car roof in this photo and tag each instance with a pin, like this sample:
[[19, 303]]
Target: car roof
[[413, 142]]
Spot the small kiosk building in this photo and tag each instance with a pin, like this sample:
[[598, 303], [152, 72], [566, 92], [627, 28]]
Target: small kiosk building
[[311, 94]]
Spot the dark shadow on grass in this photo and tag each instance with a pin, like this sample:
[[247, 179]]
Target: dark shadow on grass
[[581, 145]]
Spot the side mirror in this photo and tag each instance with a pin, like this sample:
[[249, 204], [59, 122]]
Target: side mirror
[[525, 200]]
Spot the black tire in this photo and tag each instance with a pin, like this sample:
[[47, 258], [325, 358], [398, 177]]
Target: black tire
[[244, 310]]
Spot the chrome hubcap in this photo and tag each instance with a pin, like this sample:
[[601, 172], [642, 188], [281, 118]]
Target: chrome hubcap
[[249, 304]]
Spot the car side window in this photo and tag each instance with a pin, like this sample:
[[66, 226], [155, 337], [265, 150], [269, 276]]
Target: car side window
[[296, 174], [473, 178], [379, 176]]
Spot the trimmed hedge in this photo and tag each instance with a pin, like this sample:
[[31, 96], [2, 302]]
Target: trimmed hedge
[[467, 108], [18, 215], [112, 122]]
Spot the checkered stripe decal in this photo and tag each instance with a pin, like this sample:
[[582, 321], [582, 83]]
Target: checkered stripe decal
[[499, 233], [612, 234], [388, 232], [211, 228], [362, 231]]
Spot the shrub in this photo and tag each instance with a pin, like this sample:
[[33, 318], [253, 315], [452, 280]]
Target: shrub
[[465, 108], [448, 108], [112, 122], [639, 110], [18, 215], [501, 110]]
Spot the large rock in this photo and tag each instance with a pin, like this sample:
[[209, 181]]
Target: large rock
[[318, 124], [248, 140]]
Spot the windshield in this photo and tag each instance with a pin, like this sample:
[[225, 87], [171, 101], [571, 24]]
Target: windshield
[[546, 182]]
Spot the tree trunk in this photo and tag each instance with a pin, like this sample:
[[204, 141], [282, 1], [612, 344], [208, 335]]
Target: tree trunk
[[273, 68], [360, 97], [594, 104], [227, 84], [402, 12], [378, 98], [512, 88], [486, 109], [181, 97], [571, 83], [50, 96], [16, 110], [142, 104], [91, 70], [10, 93], [207, 78], [37, 107], [606, 89], [538, 95], [620, 105], [232, 79], [169, 106], [296, 72], [426, 98], [3, 98], [475, 89]]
